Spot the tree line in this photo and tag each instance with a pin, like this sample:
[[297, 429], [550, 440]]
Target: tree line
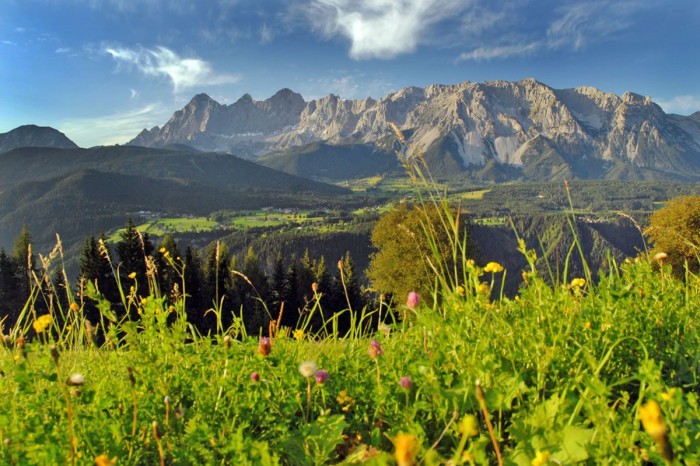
[[217, 286]]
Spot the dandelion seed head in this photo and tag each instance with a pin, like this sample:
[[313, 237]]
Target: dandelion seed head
[[307, 369]]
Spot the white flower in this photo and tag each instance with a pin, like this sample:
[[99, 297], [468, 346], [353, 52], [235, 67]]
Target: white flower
[[76, 380], [307, 368]]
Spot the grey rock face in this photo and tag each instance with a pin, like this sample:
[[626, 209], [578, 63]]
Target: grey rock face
[[492, 122]]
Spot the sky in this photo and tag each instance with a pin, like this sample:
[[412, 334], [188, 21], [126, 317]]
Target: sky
[[102, 70]]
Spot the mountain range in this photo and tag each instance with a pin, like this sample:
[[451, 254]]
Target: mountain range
[[493, 131]]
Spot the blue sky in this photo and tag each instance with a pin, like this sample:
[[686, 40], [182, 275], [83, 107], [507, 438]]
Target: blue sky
[[101, 70]]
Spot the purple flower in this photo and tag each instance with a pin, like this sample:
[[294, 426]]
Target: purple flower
[[321, 376], [413, 300], [265, 346], [375, 349], [406, 383]]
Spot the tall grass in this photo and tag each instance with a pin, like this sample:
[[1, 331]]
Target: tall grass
[[560, 374]]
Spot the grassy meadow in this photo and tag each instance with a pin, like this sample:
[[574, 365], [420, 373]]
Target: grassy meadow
[[570, 370], [558, 375]]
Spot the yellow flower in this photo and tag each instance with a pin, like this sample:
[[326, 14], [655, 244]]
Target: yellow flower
[[103, 460], [653, 423], [406, 449], [468, 426], [541, 458], [493, 267], [578, 282], [483, 288], [41, 323], [298, 334], [460, 290], [588, 325], [74, 307], [132, 275], [668, 395]]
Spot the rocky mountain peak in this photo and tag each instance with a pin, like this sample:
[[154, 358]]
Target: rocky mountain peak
[[513, 124]]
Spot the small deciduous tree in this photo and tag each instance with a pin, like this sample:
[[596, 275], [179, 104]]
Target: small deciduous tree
[[675, 230], [414, 246]]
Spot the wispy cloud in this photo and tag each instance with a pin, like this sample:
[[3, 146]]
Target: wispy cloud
[[115, 128], [63, 50], [573, 26], [351, 86], [581, 23], [8, 42], [184, 73], [380, 28], [501, 51], [266, 34], [682, 104]]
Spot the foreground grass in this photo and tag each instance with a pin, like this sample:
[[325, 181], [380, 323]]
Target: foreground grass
[[562, 374]]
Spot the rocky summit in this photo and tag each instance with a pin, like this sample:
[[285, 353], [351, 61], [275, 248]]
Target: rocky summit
[[522, 129]]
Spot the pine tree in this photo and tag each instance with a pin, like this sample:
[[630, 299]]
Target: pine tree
[[132, 249], [253, 299], [10, 298], [26, 262]]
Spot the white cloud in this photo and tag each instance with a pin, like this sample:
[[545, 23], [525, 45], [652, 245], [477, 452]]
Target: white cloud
[[184, 73], [681, 104], [113, 129], [381, 28], [9, 42], [573, 26], [266, 34], [357, 86], [581, 23], [501, 51], [134, 93], [62, 50]]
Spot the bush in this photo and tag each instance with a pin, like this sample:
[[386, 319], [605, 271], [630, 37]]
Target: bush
[[675, 230]]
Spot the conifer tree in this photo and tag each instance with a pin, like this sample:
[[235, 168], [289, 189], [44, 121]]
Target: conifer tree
[[10, 299], [194, 304]]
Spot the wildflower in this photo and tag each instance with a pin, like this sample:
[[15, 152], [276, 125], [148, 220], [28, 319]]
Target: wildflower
[[660, 256], [42, 323], [103, 460], [406, 383], [588, 325], [345, 400], [578, 282], [541, 458], [161, 250], [461, 291], [413, 300], [298, 334], [668, 396], [468, 426], [74, 307], [255, 377], [375, 349], [314, 287], [76, 380], [132, 275], [321, 376], [493, 267], [167, 400], [227, 341], [264, 346], [483, 288], [307, 369], [653, 423], [406, 448]]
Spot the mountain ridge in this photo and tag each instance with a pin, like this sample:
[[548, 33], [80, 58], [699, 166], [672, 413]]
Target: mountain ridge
[[495, 121]]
